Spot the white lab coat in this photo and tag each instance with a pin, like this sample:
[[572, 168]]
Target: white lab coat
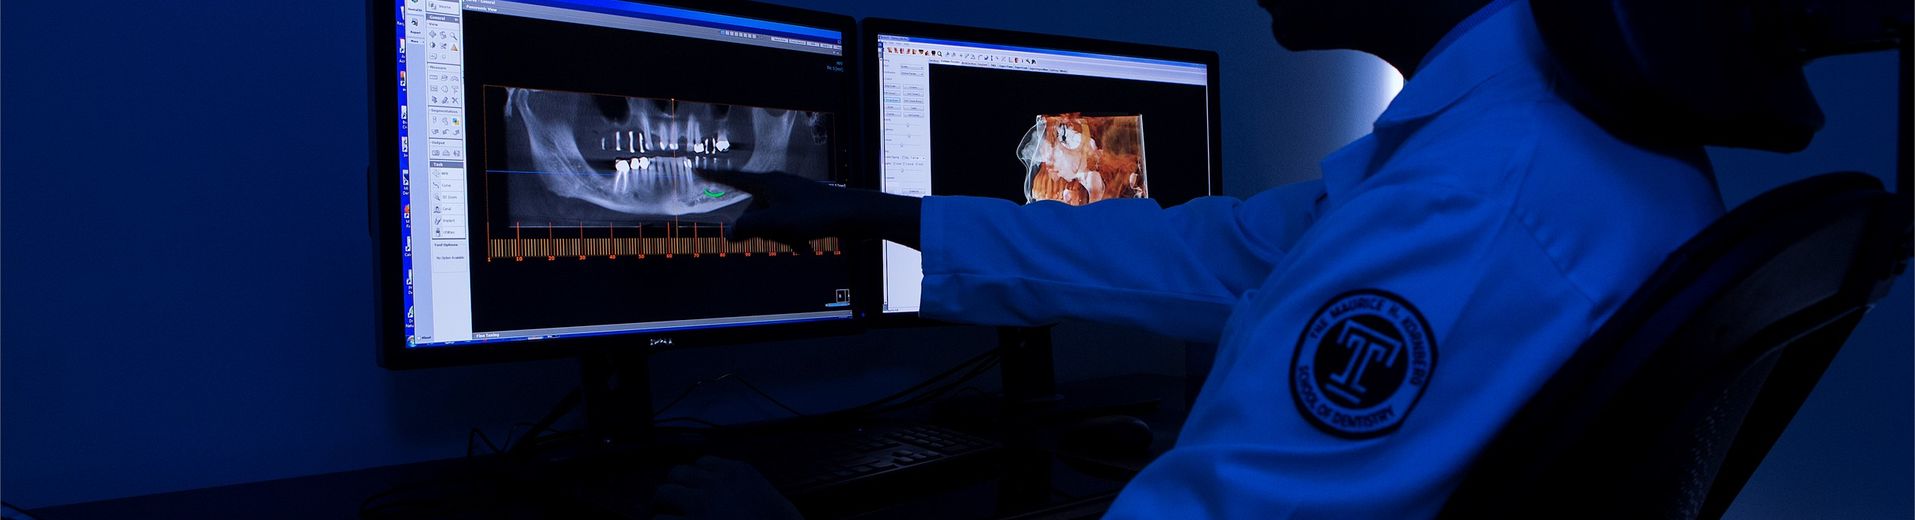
[[1375, 328]]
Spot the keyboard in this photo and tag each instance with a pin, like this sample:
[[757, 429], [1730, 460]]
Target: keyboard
[[843, 459]]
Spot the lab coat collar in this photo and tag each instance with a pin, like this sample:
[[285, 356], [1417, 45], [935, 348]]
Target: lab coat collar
[[1499, 39]]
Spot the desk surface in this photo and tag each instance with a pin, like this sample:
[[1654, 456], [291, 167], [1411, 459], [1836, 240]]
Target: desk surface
[[1028, 479]]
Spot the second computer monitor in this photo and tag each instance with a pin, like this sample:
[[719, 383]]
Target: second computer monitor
[[1030, 118]]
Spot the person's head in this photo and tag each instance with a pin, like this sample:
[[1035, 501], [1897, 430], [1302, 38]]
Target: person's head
[[1399, 31]]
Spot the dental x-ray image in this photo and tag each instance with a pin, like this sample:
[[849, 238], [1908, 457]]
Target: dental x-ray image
[[598, 159], [1079, 159]]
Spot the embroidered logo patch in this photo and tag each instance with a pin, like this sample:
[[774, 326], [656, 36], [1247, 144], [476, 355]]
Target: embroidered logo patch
[[1362, 363]]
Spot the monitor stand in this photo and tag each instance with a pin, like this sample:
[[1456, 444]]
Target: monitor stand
[[1030, 392], [1029, 398], [1032, 409], [1029, 371], [615, 389]]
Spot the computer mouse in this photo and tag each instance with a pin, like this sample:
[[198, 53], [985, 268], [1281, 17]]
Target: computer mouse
[[1120, 435]]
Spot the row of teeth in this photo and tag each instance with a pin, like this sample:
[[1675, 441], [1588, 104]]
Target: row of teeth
[[639, 164], [634, 141], [628, 168], [634, 164]]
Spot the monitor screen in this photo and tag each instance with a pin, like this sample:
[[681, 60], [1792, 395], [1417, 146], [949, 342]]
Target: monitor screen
[[999, 117], [545, 163]]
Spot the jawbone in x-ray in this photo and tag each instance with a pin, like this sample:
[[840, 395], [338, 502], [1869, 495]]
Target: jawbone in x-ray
[[613, 159]]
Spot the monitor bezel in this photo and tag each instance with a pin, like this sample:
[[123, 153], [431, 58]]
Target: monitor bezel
[[382, 178], [871, 28]]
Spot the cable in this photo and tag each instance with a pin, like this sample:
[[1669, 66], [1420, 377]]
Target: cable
[[513, 439], [937, 392], [980, 358], [480, 434], [559, 411], [976, 366], [983, 365], [687, 392], [514, 442], [940, 392], [768, 397]]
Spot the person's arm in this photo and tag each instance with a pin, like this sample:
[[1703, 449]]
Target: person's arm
[[794, 210], [1172, 271], [1176, 271]]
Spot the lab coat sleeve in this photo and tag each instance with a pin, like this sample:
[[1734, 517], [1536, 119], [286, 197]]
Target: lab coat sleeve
[[1175, 272], [1501, 318]]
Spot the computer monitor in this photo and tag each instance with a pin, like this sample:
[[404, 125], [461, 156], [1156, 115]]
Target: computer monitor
[[1029, 117], [534, 192]]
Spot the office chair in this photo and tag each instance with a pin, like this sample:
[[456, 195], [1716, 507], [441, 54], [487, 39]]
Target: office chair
[[1669, 408]]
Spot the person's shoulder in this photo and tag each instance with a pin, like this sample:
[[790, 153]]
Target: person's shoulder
[[1577, 170], [1534, 151], [1608, 210], [1605, 210], [1481, 144]]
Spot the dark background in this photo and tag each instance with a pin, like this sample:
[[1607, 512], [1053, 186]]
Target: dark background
[[524, 52], [205, 320], [978, 115]]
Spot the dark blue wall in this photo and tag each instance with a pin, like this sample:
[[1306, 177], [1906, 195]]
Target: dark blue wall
[[185, 294]]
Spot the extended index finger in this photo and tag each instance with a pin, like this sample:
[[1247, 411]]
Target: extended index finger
[[750, 182]]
